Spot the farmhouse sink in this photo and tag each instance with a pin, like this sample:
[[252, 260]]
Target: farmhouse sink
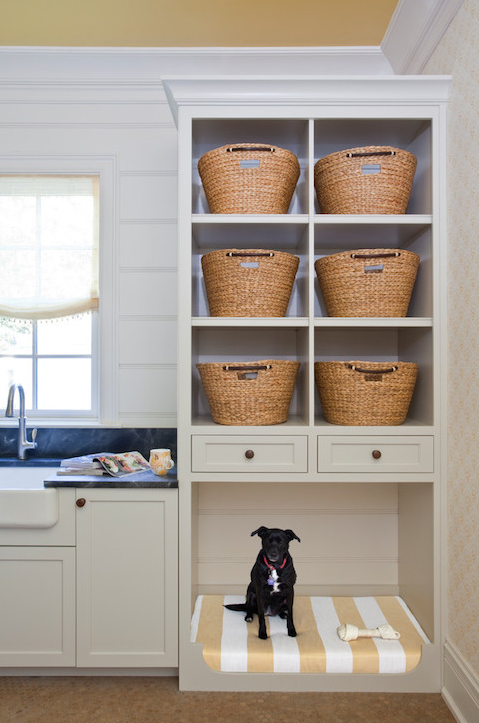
[[23, 500]]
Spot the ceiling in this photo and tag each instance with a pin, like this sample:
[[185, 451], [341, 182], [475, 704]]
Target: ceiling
[[195, 23]]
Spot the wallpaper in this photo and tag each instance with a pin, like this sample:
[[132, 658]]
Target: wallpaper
[[458, 55]]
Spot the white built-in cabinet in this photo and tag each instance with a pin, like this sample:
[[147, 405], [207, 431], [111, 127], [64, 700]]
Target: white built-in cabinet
[[127, 574], [97, 590], [369, 524], [38, 592], [37, 606]]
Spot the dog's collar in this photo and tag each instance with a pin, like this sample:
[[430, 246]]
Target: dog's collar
[[272, 567]]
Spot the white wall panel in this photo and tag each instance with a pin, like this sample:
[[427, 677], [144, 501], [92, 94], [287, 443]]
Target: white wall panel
[[148, 292], [148, 244], [147, 392], [151, 196], [147, 341], [113, 113], [82, 121], [349, 534], [151, 148]]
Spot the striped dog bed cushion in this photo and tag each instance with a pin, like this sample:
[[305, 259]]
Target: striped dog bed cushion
[[232, 645]]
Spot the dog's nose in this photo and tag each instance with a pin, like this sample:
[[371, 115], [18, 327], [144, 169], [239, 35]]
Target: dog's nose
[[273, 555]]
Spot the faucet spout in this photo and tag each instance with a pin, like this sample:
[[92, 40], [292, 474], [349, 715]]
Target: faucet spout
[[23, 442]]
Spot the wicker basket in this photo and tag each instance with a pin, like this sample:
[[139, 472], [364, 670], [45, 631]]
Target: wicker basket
[[365, 393], [249, 178], [367, 282], [249, 282], [373, 179], [249, 392]]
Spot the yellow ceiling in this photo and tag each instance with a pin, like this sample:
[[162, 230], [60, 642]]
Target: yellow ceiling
[[194, 23]]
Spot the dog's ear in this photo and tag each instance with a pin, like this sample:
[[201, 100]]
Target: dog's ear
[[261, 531], [292, 536]]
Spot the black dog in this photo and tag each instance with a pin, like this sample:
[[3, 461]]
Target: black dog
[[271, 590]]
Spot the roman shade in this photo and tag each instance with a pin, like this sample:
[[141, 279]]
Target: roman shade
[[49, 238]]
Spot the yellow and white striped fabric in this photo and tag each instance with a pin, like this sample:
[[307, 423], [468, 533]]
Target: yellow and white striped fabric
[[232, 645]]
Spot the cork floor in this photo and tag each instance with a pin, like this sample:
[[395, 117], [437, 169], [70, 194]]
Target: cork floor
[[158, 700]]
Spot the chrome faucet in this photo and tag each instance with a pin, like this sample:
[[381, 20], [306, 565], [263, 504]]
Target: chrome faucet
[[23, 443]]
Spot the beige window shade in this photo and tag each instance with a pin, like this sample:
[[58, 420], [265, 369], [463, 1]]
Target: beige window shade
[[49, 229]]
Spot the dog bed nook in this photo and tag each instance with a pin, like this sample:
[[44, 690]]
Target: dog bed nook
[[230, 644]]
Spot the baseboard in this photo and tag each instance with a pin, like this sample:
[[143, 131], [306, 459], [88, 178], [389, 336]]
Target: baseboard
[[461, 686]]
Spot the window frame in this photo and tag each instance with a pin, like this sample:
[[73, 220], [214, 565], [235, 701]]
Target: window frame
[[104, 324], [35, 357]]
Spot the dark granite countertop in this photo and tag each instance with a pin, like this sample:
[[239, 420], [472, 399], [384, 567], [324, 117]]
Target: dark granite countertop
[[137, 479]]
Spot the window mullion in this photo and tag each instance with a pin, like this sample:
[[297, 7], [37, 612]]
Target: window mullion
[[34, 366], [38, 233]]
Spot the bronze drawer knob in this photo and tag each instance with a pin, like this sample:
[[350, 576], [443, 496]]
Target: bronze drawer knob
[[376, 454], [81, 502], [249, 454]]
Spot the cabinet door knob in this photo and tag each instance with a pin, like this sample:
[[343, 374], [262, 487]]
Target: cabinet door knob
[[249, 454], [376, 454], [81, 502]]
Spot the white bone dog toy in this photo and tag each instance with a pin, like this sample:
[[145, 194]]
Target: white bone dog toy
[[350, 632]]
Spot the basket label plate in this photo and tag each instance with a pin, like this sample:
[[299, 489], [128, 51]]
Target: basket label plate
[[375, 269], [369, 168], [250, 163]]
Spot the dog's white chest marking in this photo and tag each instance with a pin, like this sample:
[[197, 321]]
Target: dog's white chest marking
[[273, 580]]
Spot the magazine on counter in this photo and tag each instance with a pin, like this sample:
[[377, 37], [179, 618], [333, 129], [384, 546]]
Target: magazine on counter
[[116, 465]]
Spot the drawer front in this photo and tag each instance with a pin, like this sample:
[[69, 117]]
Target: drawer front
[[214, 453], [375, 454]]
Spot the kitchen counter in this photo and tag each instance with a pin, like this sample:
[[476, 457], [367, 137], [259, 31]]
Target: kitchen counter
[[137, 479]]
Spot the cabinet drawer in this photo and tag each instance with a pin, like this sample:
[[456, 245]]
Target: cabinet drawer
[[215, 453], [375, 454]]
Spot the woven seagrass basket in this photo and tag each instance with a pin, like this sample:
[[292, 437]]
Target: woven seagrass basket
[[249, 282], [365, 393], [249, 178], [367, 282], [372, 179], [249, 392]]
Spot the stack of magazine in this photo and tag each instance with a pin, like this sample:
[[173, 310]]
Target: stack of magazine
[[115, 465]]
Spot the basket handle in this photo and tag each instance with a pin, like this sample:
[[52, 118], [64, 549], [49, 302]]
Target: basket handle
[[231, 254], [376, 256], [247, 368], [370, 153], [238, 149], [372, 371]]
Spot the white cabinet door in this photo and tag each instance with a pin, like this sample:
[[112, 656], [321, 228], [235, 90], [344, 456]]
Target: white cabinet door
[[127, 578], [37, 606]]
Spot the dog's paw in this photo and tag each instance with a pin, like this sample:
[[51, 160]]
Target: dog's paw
[[249, 619], [263, 635], [292, 633]]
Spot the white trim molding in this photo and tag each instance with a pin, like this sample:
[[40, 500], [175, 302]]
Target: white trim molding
[[75, 66], [415, 30], [461, 686]]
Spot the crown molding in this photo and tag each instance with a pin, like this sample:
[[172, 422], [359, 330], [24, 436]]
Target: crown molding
[[150, 64], [414, 32], [302, 90]]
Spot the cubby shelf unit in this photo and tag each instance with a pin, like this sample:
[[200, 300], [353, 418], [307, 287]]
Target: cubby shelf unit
[[306, 472]]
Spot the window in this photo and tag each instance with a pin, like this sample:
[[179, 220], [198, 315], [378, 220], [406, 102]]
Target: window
[[49, 291]]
